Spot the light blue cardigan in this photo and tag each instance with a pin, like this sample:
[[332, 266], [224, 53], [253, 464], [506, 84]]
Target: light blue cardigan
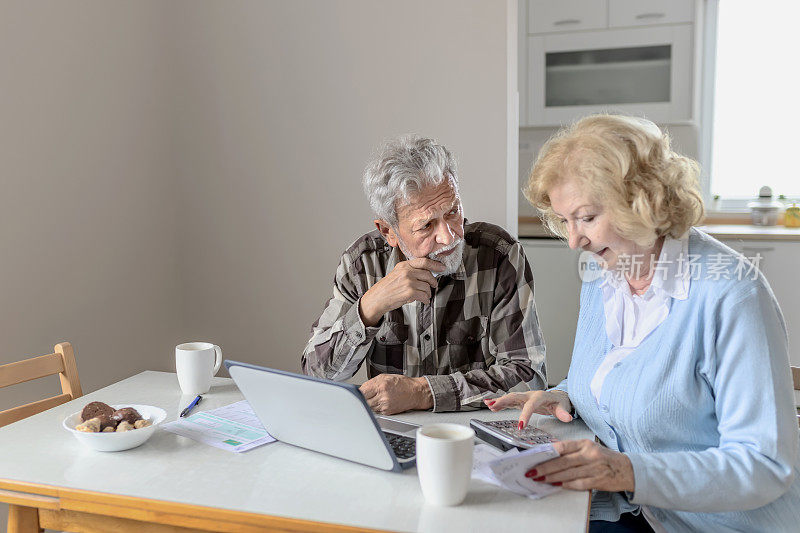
[[703, 407]]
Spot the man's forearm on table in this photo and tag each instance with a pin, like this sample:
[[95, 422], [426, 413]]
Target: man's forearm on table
[[454, 392]]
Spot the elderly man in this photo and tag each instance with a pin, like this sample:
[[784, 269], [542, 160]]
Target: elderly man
[[441, 310]]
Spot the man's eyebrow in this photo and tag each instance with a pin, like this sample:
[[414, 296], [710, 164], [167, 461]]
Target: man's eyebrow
[[454, 205], [423, 221], [420, 222]]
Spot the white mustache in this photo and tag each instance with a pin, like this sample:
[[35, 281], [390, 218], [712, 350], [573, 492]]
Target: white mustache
[[452, 245]]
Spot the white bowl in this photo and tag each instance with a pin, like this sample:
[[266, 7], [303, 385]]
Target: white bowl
[[124, 440]]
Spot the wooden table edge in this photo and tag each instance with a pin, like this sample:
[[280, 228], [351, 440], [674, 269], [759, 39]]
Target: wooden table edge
[[589, 513], [112, 506]]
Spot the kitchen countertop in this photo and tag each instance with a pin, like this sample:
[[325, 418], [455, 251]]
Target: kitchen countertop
[[753, 233], [535, 230]]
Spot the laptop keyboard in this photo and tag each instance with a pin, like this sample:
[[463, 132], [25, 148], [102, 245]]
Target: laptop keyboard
[[403, 447]]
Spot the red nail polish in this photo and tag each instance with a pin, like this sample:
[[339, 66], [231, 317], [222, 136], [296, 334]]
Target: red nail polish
[[521, 424], [556, 484], [539, 479], [531, 472]]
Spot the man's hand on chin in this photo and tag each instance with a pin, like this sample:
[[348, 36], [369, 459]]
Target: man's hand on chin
[[388, 394]]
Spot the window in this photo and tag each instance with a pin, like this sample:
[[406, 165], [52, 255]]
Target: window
[[756, 126]]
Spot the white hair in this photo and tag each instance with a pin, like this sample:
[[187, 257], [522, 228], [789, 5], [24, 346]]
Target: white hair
[[402, 168]]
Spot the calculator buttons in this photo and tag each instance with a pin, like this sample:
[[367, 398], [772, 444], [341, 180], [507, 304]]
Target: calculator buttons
[[509, 433]]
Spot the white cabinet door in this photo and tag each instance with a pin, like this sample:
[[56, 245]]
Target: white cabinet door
[[646, 12], [546, 16], [556, 291], [779, 261]]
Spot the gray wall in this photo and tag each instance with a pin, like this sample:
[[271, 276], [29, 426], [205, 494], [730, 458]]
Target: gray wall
[[280, 107], [86, 223], [190, 170]]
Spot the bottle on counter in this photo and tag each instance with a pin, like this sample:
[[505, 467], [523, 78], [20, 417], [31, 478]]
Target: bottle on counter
[[791, 217]]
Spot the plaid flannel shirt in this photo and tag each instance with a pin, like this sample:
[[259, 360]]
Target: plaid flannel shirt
[[479, 338]]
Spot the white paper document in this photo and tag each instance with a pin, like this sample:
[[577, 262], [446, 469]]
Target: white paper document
[[233, 427], [507, 469]]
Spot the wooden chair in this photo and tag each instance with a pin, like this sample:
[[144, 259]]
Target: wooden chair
[[62, 362]]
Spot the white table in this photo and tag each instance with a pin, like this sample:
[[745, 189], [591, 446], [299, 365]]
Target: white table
[[175, 481]]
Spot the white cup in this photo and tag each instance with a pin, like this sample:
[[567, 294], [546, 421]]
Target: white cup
[[196, 363], [444, 462]]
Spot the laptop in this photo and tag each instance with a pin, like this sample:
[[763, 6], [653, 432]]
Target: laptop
[[324, 416]]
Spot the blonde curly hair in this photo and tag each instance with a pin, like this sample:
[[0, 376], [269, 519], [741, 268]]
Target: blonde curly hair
[[627, 165]]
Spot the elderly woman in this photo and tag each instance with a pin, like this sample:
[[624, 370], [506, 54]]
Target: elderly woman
[[680, 362]]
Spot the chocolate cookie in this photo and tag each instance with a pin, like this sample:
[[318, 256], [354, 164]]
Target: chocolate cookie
[[127, 414], [95, 409], [107, 422]]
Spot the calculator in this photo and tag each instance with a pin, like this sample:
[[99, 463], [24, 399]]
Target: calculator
[[504, 434]]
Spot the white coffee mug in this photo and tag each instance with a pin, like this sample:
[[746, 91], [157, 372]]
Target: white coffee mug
[[444, 462], [196, 363]]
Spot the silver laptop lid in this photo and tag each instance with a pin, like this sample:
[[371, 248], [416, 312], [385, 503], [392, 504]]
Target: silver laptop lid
[[320, 415]]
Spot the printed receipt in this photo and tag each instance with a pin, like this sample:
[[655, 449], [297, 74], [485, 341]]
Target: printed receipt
[[233, 427], [507, 469]]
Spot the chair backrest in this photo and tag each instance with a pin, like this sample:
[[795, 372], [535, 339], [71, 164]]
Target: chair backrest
[[61, 362], [796, 383]]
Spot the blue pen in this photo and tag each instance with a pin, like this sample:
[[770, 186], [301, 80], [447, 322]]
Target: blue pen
[[191, 405]]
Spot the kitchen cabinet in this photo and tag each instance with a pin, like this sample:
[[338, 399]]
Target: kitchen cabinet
[[622, 13], [779, 261], [628, 56], [556, 291], [567, 15]]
